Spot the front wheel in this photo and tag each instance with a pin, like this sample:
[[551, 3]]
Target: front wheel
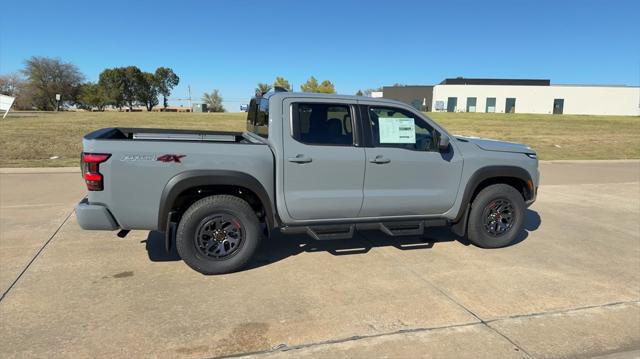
[[218, 234], [496, 217]]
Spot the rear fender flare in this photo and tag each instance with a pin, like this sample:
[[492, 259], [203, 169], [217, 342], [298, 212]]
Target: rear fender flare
[[197, 178]]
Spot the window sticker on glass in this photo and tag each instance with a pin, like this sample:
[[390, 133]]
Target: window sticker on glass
[[397, 130]]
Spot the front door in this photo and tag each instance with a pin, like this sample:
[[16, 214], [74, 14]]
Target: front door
[[510, 105], [405, 172], [323, 167], [558, 106], [452, 103]]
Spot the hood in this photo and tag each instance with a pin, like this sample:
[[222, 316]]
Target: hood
[[495, 145]]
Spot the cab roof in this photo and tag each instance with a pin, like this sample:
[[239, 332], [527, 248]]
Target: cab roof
[[315, 95]]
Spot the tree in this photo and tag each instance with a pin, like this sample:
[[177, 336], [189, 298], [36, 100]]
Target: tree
[[310, 86], [92, 95], [10, 84], [213, 101], [282, 82], [147, 90], [47, 77], [14, 85], [132, 80], [326, 87], [166, 81], [263, 88], [111, 83], [359, 93]]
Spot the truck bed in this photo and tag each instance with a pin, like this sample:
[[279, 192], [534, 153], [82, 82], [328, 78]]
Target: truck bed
[[156, 134], [136, 173]]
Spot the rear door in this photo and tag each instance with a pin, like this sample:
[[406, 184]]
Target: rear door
[[323, 163], [406, 174]]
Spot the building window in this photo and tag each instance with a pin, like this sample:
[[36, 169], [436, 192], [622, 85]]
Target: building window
[[471, 104], [452, 103], [510, 105], [491, 104]]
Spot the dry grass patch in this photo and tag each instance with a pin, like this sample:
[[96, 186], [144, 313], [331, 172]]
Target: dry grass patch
[[30, 139]]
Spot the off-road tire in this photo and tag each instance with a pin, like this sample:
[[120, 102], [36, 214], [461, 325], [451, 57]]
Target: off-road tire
[[477, 230], [204, 210]]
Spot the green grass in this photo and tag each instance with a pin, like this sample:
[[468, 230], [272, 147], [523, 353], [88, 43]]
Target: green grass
[[29, 139]]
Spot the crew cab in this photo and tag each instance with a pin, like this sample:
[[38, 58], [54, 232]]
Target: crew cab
[[324, 165]]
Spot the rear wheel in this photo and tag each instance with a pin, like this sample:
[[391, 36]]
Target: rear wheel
[[218, 234], [496, 217]]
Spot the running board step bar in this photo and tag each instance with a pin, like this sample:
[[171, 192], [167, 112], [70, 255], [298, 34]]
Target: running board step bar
[[346, 231], [402, 228], [327, 232], [323, 232]]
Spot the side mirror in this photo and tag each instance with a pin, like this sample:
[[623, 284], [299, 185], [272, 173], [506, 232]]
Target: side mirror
[[443, 142]]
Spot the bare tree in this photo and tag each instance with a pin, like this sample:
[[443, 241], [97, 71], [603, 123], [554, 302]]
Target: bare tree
[[10, 84], [213, 101], [14, 85], [47, 77]]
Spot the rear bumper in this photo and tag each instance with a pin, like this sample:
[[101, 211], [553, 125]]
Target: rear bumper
[[95, 216]]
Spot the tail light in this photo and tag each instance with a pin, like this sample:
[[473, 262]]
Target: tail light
[[90, 166]]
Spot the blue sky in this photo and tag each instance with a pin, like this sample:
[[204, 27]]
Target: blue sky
[[232, 45]]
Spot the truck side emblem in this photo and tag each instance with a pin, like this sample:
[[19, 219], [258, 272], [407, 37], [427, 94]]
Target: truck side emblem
[[170, 158]]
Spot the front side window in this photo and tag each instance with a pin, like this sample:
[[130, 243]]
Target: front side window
[[394, 127], [322, 124]]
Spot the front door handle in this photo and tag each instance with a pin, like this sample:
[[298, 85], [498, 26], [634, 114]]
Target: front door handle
[[380, 159], [299, 159]]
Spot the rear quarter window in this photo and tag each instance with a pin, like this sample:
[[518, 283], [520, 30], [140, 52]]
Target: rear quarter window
[[258, 117]]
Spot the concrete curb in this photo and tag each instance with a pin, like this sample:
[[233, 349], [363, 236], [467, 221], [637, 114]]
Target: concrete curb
[[590, 161], [27, 170]]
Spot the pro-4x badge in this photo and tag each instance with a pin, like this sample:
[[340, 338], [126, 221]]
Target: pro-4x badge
[[170, 158]]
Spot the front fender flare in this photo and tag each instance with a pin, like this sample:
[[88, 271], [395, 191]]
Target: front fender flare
[[485, 173]]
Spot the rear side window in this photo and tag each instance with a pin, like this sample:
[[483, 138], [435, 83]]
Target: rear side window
[[322, 124], [258, 117]]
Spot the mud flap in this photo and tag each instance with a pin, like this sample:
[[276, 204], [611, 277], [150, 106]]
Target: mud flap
[[170, 232], [460, 228]]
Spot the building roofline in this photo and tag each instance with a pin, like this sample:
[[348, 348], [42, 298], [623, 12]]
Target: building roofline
[[495, 81], [595, 85]]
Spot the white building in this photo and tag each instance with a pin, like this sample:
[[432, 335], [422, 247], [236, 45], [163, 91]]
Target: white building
[[534, 96]]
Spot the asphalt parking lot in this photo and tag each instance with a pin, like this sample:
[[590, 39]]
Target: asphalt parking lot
[[569, 288]]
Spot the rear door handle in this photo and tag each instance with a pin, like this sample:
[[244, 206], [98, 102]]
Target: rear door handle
[[380, 159], [299, 159]]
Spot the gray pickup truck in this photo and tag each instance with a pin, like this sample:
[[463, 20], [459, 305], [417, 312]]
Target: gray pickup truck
[[324, 165]]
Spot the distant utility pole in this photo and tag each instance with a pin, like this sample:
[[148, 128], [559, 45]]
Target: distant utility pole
[[190, 105]]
